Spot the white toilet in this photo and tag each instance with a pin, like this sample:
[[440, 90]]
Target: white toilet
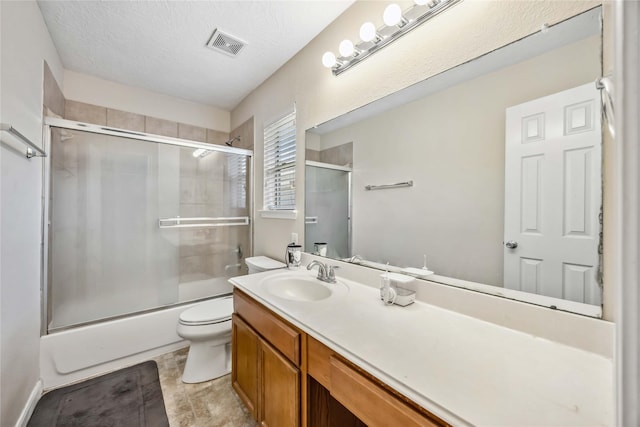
[[258, 264], [207, 326]]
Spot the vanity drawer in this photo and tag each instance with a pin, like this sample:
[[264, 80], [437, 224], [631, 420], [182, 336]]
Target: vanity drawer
[[278, 332], [318, 356], [372, 404]]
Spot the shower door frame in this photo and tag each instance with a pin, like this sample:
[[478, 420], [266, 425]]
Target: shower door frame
[[54, 122], [349, 171]]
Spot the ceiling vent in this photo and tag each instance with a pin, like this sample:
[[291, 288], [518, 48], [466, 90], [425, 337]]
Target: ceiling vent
[[225, 43]]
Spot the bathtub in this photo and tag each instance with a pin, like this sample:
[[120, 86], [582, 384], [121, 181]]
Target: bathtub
[[74, 354]]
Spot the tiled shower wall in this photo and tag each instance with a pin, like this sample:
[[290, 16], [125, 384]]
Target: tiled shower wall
[[104, 116], [53, 99], [204, 252], [341, 155]]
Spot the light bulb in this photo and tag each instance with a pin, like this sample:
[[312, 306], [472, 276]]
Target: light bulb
[[328, 59], [367, 32], [392, 15], [346, 48]]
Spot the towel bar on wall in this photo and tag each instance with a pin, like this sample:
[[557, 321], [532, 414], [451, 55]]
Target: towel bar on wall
[[310, 219], [385, 186], [202, 222], [32, 149]]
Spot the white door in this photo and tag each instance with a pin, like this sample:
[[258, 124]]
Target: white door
[[553, 194]]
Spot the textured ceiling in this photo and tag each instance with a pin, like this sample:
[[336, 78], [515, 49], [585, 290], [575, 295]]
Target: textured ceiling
[[160, 45]]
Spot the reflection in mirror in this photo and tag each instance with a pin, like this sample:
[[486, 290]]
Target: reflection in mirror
[[327, 209], [504, 153]]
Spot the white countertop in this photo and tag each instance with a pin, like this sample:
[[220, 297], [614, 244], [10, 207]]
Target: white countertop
[[464, 370]]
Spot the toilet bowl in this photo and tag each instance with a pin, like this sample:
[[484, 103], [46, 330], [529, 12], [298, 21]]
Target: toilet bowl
[[207, 326]]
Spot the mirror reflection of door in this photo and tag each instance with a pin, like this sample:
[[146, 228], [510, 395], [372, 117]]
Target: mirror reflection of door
[[553, 195], [328, 208]]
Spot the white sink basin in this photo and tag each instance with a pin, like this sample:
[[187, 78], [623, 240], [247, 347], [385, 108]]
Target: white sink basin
[[300, 287]]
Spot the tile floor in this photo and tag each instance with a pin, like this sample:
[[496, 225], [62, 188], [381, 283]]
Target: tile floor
[[209, 404]]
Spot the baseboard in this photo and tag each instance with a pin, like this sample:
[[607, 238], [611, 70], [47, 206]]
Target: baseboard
[[28, 409]]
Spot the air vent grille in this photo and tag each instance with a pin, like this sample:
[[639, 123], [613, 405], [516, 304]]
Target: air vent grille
[[225, 43]]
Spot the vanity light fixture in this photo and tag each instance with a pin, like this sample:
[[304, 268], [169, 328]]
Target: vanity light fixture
[[368, 32], [396, 24], [346, 48], [393, 15], [329, 60]]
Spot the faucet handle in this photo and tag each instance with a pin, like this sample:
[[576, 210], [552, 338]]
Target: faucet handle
[[331, 274]]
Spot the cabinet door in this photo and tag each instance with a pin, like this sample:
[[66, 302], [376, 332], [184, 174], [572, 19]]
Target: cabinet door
[[280, 389], [245, 364]]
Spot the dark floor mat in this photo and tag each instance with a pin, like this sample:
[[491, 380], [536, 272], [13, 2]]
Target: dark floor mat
[[130, 397]]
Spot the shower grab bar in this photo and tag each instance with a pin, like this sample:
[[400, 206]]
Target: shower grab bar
[[385, 186], [203, 222], [32, 149]]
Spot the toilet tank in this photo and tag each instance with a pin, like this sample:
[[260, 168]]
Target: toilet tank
[[258, 264]]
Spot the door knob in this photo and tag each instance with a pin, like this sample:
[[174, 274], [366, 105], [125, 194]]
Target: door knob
[[511, 244]]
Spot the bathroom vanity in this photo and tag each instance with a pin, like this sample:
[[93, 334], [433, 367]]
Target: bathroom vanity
[[279, 369], [306, 357]]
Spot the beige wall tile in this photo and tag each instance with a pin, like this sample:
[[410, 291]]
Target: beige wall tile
[[161, 127], [190, 210], [245, 132], [340, 155], [192, 133], [313, 155], [81, 112], [53, 98], [125, 120], [192, 267], [216, 137]]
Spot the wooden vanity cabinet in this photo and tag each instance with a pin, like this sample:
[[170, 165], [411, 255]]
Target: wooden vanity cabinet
[[244, 363], [289, 379], [280, 389], [344, 395], [266, 364]]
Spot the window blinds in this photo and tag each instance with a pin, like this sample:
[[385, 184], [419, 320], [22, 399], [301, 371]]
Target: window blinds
[[280, 164]]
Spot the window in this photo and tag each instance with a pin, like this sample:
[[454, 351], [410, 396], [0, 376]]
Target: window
[[280, 164], [237, 180]]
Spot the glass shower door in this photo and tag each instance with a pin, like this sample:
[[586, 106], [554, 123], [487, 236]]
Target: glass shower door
[[137, 225], [328, 209]]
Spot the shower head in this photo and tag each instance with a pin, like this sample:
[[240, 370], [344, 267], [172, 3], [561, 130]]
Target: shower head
[[230, 142]]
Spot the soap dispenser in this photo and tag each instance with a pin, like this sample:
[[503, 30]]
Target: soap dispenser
[[387, 293]]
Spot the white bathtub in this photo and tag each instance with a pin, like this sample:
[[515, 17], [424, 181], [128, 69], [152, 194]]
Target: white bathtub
[[86, 351]]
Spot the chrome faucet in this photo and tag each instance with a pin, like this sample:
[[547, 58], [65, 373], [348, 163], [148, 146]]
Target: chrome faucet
[[326, 273]]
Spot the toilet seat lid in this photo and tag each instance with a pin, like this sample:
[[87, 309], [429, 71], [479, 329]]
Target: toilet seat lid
[[212, 311]]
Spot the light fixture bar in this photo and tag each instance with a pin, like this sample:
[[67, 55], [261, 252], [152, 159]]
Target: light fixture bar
[[345, 63]]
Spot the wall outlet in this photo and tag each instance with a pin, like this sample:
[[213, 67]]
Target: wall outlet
[[294, 238]]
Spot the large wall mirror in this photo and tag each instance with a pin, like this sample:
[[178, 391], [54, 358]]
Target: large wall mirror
[[487, 176]]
